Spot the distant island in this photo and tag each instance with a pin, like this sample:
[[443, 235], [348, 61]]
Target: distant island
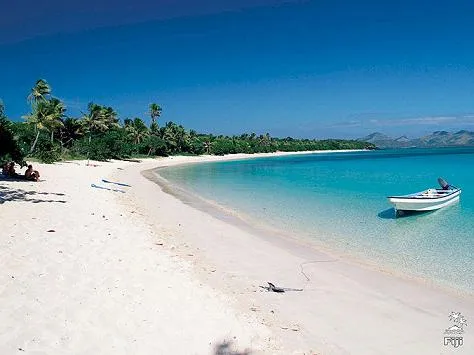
[[461, 138]]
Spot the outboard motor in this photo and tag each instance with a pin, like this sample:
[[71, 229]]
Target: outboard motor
[[444, 185]]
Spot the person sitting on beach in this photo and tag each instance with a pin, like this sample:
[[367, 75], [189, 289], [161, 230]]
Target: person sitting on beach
[[5, 168], [31, 174], [11, 170]]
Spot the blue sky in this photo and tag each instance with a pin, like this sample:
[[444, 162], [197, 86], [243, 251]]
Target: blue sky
[[291, 68]]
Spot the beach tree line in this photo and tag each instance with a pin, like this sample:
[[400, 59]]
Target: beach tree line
[[49, 134]]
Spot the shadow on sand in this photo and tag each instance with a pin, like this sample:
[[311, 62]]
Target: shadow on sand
[[8, 194], [225, 348]]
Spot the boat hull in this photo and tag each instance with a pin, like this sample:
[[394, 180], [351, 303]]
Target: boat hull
[[417, 202]]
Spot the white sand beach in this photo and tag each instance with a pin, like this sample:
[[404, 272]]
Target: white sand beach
[[95, 271]]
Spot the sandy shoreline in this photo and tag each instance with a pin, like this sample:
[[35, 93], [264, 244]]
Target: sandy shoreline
[[406, 306], [284, 238], [142, 272]]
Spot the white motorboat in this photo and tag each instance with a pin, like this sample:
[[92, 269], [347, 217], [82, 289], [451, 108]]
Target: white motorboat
[[427, 200]]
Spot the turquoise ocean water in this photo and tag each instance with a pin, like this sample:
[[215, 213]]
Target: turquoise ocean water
[[339, 200]]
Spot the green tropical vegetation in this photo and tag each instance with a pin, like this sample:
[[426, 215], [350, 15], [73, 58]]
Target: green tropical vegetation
[[49, 134]]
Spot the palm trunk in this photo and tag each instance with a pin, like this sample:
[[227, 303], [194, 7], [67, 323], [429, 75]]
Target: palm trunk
[[66, 142], [61, 138], [89, 150], [33, 146], [52, 137]]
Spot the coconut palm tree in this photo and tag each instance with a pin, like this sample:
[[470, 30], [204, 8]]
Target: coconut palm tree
[[38, 119], [39, 92], [183, 138], [46, 115], [71, 130], [55, 113], [110, 117], [132, 132], [207, 145], [155, 113], [168, 133], [208, 142], [264, 140], [136, 129], [38, 98], [2, 110], [95, 120]]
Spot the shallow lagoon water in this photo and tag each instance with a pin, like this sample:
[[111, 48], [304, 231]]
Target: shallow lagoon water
[[339, 200]]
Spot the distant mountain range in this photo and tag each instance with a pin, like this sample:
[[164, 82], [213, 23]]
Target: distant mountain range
[[436, 139]]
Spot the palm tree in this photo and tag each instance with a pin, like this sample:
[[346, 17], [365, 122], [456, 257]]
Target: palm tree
[[56, 112], [207, 145], [39, 92], [264, 140], [209, 141], [168, 133], [183, 138], [70, 131], [110, 117], [38, 98], [136, 129], [2, 109], [155, 113], [95, 120], [38, 118], [46, 115]]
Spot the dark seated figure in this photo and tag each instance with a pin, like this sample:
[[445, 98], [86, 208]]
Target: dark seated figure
[[11, 170], [31, 174], [8, 170], [5, 169]]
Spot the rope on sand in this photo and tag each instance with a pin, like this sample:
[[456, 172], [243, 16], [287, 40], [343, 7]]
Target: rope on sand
[[313, 262], [272, 288]]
